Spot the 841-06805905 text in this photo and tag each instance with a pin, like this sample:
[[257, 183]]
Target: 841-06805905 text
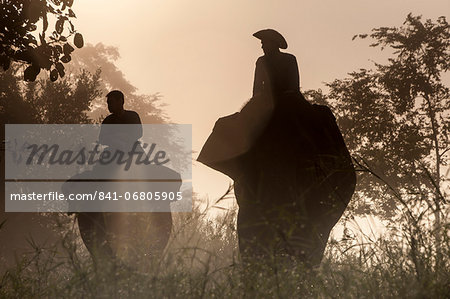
[[99, 195]]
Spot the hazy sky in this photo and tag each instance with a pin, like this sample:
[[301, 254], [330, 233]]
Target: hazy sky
[[200, 54]]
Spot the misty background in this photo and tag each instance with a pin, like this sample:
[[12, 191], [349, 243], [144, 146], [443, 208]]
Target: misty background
[[200, 55]]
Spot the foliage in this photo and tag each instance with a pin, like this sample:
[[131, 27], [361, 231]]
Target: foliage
[[105, 57], [20, 20], [14, 107], [43, 101], [202, 261], [396, 119], [77, 98]]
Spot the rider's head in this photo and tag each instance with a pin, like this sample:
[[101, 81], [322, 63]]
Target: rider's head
[[115, 100], [269, 46], [272, 41]]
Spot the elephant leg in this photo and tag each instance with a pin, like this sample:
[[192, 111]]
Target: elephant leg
[[307, 244], [94, 235], [160, 233]]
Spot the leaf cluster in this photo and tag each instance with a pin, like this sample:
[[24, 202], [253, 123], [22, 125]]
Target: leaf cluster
[[395, 118], [66, 101], [19, 41]]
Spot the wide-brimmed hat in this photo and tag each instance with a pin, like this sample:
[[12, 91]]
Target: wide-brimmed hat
[[273, 35]]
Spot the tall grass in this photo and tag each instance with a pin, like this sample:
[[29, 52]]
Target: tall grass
[[202, 261]]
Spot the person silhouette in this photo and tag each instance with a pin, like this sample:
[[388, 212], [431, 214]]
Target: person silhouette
[[275, 72], [101, 231], [292, 172], [94, 226]]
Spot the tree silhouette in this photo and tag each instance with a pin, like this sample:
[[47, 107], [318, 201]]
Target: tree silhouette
[[100, 56], [18, 41], [67, 101], [396, 120]]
